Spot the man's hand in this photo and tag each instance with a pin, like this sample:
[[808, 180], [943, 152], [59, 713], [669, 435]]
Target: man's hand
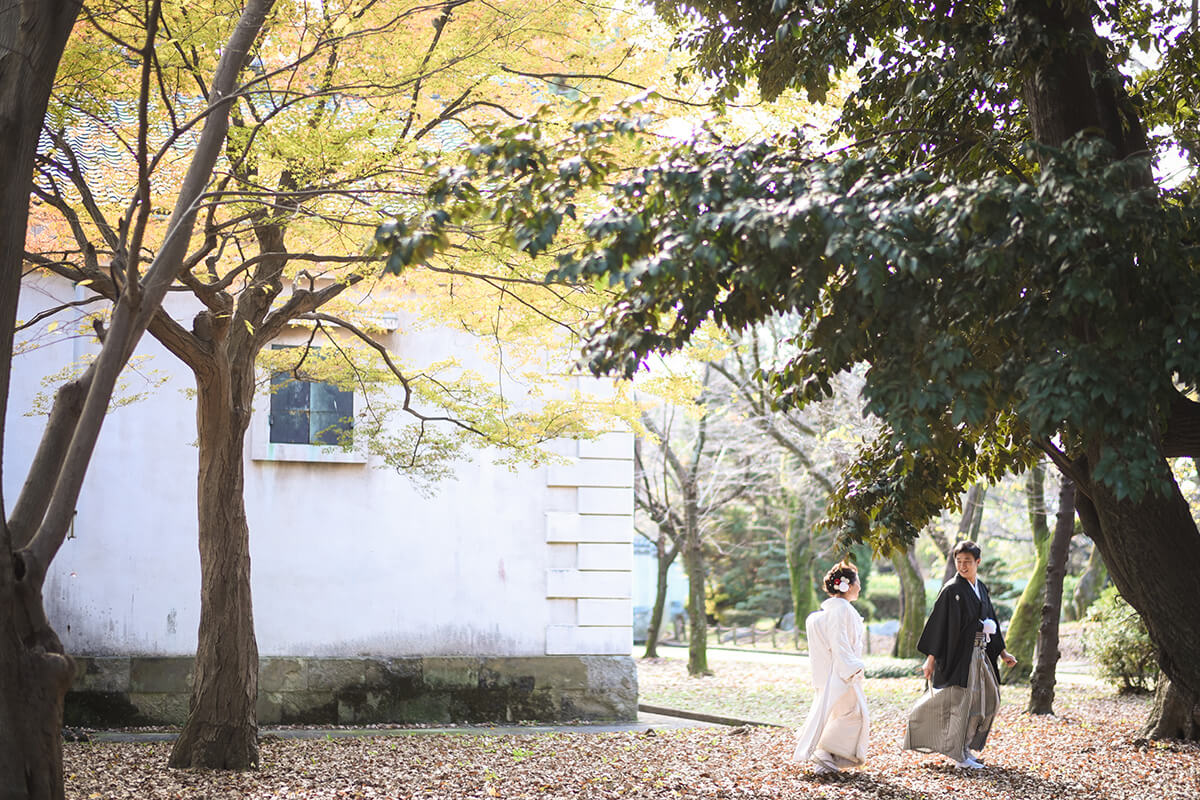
[[1008, 658], [927, 668]]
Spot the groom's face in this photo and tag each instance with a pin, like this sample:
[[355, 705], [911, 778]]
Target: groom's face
[[967, 565]]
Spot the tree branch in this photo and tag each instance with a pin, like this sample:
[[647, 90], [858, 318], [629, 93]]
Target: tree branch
[[129, 320], [302, 302], [50, 312], [405, 381]]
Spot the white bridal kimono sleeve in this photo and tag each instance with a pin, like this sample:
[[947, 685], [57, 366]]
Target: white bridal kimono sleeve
[[838, 722]]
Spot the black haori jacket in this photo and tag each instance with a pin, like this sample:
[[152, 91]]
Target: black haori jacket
[[949, 633]]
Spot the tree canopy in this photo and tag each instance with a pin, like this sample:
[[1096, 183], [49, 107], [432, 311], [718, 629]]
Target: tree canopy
[[981, 230], [1005, 293]]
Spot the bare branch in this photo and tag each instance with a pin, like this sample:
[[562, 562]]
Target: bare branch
[[142, 201], [129, 320], [558, 78], [405, 381], [50, 312]]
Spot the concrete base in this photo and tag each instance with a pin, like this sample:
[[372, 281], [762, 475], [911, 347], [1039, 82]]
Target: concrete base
[[129, 691]]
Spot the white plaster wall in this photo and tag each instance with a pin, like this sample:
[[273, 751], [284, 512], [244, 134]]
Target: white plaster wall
[[347, 559]]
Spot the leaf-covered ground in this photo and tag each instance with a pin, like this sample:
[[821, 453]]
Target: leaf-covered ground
[[1090, 749]]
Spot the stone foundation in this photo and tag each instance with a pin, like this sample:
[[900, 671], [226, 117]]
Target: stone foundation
[[131, 691]]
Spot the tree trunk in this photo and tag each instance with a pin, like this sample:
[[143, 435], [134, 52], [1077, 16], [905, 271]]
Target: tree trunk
[[912, 603], [798, 547], [1176, 714], [1041, 695], [35, 673], [222, 726], [693, 564], [666, 557], [1091, 583], [1023, 628], [1152, 550], [1151, 546]]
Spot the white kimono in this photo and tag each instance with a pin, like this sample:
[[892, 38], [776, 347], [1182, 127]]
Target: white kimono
[[838, 722]]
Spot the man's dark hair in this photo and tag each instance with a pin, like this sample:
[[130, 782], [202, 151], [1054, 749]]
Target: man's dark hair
[[966, 546]]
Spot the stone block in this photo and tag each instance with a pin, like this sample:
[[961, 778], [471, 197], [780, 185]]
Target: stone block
[[591, 472], [618, 444], [593, 640], [269, 707], [611, 673], [399, 690], [308, 708], [399, 676], [579, 583], [282, 675], [427, 707], [99, 709], [101, 674], [603, 500], [331, 674], [604, 612], [598, 706], [161, 708], [562, 499], [596, 556], [562, 555], [534, 672], [563, 610], [562, 526], [450, 672], [155, 675]]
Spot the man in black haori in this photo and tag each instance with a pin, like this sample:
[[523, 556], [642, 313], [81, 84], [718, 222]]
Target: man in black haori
[[962, 642]]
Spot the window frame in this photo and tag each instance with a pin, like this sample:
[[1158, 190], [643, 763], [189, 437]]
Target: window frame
[[263, 449]]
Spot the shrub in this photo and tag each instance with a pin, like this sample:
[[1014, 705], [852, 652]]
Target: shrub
[[892, 668], [739, 617], [1116, 639], [885, 605]]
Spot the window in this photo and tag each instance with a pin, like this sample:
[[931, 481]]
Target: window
[[300, 418], [309, 412], [306, 411]]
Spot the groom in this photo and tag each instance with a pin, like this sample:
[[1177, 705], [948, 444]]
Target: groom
[[962, 642]]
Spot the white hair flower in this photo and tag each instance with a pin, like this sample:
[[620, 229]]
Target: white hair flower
[[843, 585]]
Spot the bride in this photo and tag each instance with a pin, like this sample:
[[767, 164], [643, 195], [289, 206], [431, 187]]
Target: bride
[[836, 733]]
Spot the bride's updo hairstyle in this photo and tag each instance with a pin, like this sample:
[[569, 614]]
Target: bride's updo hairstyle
[[839, 579]]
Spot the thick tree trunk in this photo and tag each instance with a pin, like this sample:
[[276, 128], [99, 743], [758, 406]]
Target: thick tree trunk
[[666, 556], [1041, 694], [1176, 714], [1091, 583], [35, 673], [1023, 628], [912, 603], [1152, 549], [222, 726]]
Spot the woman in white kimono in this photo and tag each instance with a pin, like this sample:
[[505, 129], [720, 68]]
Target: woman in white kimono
[[838, 727]]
